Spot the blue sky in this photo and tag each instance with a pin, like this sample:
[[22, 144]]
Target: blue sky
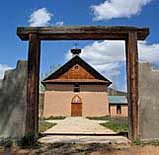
[[106, 57]]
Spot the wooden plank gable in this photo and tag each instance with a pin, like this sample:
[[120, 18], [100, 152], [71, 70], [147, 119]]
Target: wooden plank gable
[[77, 72], [74, 69]]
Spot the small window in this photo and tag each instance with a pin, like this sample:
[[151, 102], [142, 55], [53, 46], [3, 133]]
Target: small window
[[76, 67], [76, 87], [118, 109]]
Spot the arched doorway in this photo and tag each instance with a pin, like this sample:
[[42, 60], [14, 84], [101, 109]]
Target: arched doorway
[[76, 106]]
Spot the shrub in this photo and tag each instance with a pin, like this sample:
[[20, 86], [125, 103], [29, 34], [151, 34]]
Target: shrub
[[27, 141]]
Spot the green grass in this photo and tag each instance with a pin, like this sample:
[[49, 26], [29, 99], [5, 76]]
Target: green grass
[[100, 118], [54, 118], [115, 127], [41, 104], [43, 126], [117, 124], [137, 141]]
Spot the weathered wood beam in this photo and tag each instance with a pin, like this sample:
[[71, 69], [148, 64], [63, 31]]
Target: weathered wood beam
[[33, 85], [82, 32], [132, 83]]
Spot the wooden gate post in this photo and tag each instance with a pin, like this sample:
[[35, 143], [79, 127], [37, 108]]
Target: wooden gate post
[[132, 83], [33, 85]]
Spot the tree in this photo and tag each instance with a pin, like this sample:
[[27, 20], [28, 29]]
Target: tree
[[52, 69]]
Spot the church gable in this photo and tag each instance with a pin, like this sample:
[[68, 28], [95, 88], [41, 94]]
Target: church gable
[[76, 69], [76, 72]]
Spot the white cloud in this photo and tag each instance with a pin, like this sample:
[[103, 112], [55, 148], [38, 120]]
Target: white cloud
[[40, 17], [3, 68], [108, 56], [148, 52], [59, 23], [104, 56], [118, 9]]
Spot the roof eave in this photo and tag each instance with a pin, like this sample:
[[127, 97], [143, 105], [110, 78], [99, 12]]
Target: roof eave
[[62, 82]]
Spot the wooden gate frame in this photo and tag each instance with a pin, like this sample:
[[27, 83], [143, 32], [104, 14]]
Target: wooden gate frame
[[36, 34]]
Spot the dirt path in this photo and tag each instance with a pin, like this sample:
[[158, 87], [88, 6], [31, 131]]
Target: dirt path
[[78, 125], [83, 126]]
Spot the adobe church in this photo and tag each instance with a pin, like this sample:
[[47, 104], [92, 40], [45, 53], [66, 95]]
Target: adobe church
[[76, 89]]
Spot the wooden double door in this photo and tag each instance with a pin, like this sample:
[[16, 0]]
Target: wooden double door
[[76, 109]]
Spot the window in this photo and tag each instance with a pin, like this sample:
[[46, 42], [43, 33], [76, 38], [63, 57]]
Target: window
[[118, 109], [76, 87], [76, 67]]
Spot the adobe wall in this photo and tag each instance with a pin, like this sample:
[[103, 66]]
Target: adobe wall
[[69, 87], [57, 100], [13, 101], [148, 102], [124, 111]]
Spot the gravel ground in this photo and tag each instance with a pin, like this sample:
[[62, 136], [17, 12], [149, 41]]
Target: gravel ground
[[85, 149]]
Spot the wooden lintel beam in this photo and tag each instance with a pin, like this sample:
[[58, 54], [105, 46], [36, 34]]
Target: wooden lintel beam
[[82, 36], [82, 32]]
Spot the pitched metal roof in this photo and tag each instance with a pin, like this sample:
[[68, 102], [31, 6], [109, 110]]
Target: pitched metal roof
[[117, 100]]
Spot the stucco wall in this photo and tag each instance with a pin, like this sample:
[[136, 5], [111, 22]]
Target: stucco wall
[[57, 101], [13, 101], [148, 102], [124, 111], [69, 87]]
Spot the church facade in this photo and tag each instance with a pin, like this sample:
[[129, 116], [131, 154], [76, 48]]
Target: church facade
[[76, 89]]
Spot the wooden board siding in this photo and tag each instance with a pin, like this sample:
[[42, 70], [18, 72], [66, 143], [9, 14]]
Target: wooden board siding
[[68, 72], [76, 73]]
